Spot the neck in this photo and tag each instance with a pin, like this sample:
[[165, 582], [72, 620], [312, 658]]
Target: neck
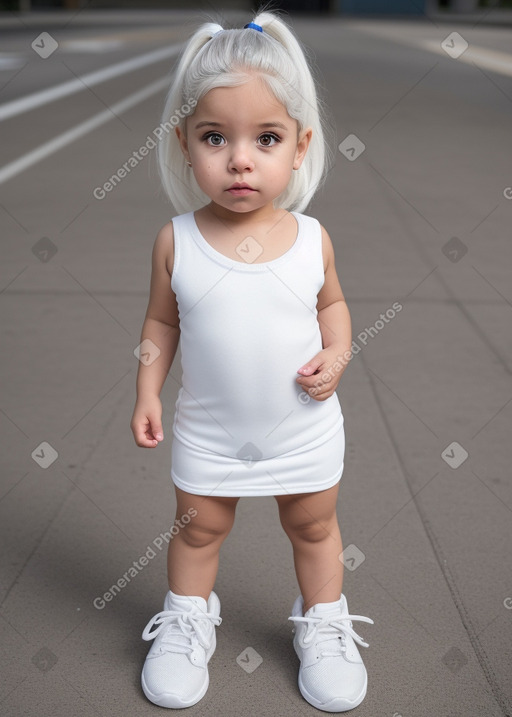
[[262, 214]]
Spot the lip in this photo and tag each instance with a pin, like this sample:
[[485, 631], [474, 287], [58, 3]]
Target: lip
[[240, 188], [241, 192], [240, 185]]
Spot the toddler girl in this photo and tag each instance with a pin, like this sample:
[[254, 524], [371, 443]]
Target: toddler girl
[[249, 284]]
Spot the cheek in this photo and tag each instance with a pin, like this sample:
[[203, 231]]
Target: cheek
[[284, 169], [205, 175]]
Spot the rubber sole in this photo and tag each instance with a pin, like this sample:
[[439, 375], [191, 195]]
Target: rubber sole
[[172, 701], [337, 705]]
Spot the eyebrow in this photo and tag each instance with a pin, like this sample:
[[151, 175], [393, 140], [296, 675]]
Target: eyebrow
[[207, 123]]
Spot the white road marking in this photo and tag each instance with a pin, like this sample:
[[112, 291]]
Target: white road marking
[[43, 97], [493, 60], [10, 61], [154, 36], [45, 150], [90, 45]]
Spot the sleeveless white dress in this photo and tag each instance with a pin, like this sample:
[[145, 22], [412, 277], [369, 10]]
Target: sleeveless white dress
[[243, 426]]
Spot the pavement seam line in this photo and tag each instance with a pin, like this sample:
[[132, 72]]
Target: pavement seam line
[[19, 165], [16, 107], [438, 553]]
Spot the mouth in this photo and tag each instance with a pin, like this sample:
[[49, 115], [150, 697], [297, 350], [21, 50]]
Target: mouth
[[240, 188]]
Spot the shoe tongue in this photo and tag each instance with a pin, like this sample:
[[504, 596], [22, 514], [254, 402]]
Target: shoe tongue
[[187, 602], [325, 608]]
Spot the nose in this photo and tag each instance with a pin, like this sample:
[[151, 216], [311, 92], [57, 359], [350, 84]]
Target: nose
[[240, 159]]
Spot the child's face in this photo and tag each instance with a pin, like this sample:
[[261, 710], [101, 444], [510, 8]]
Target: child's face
[[245, 136]]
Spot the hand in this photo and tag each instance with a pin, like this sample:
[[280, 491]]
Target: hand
[[320, 376], [146, 423]]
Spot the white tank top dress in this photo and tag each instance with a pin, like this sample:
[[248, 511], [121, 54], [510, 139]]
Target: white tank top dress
[[242, 425]]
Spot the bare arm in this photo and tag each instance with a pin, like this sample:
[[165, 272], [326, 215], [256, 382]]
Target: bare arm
[[161, 330], [333, 313], [321, 375]]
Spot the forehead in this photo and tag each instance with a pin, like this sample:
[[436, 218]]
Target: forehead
[[252, 103]]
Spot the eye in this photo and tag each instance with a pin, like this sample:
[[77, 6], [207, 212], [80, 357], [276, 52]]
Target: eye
[[215, 136], [267, 137]]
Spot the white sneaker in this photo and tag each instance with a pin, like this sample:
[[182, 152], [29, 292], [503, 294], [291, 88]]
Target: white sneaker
[[175, 673], [332, 676]]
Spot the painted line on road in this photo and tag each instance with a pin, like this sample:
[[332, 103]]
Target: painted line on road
[[154, 36], [91, 45], [10, 60], [500, 62], [494, 60], [54, 145], [50, 94]]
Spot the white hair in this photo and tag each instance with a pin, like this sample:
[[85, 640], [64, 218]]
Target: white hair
[[218, 57]]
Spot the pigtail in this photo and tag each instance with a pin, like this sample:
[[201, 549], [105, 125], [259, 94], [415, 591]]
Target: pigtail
[[312, 173], [177, 179], [218, 57]]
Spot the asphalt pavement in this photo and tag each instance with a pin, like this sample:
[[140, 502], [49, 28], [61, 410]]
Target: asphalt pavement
[[418, 203]]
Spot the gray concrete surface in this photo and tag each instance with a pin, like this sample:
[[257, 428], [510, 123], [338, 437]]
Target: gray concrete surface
[[436, 577]]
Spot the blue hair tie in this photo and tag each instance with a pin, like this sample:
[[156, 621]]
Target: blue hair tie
[[254, 26]]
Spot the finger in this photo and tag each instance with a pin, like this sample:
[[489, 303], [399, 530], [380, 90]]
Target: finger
[[313, 381], [311, 367], [155, 429], [156, 434], [138, 433], [324, 395], [150, 440], [321, 391], [143, 436], [308, 370]]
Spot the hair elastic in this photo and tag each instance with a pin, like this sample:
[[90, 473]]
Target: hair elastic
[[254, 26]]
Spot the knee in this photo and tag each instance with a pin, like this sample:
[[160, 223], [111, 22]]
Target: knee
[[213, 518], [201, 535], [311, 531]]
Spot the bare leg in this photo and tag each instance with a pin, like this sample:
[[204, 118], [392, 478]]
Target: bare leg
[[193, 553], [311, 523]]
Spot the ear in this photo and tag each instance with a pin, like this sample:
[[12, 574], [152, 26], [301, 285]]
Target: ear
[[183, 142], [302, 147]]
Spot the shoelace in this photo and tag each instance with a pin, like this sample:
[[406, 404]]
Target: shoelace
[[183, 630], [330, 626]]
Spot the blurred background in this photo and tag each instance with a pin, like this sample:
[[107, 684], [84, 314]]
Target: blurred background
[[418, 203], [384, 7]]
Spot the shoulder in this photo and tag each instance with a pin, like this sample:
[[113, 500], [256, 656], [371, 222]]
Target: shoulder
[[163, 248], [327, 247]]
